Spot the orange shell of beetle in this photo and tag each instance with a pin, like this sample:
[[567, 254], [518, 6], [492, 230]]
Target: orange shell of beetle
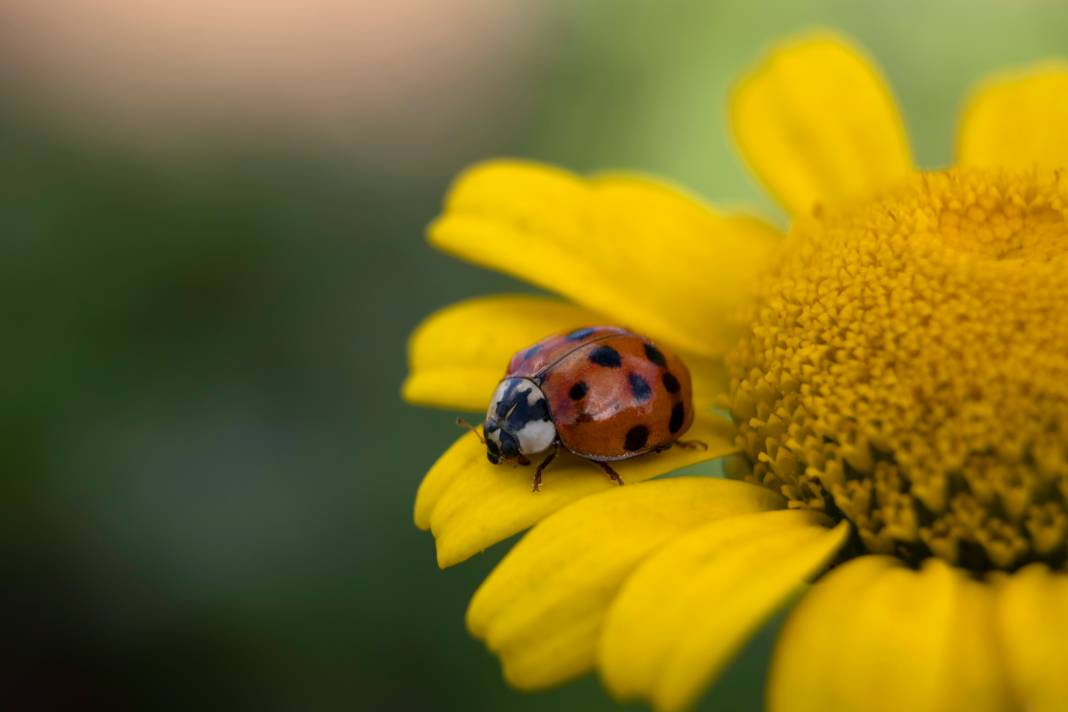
[[612, 394]]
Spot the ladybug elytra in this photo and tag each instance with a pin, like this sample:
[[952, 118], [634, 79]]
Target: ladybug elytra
[[601, 392]]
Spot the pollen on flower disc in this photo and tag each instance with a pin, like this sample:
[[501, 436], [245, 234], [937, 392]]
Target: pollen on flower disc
[[907, 368]]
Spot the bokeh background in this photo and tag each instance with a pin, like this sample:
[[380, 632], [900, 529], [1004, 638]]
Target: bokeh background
[[211, 254]]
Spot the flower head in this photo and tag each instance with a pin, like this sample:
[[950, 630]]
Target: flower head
[[907, 368], [895, 372]]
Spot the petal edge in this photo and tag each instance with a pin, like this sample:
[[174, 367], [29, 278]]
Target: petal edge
[[649, 256], [817, 124], [470, 504], [457, 355], [541, 608], [684, 612], [1017, 120]]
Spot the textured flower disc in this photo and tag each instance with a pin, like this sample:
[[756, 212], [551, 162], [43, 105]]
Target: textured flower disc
[[907, 368]]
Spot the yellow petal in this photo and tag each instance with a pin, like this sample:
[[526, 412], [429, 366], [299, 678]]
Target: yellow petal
[[470, 504], [1033, 623], [646, 255], [458, 354], [976, 680], [817, 124], [709, 377], [876, 636], [1017, 120], [689, 607], [541, 609]]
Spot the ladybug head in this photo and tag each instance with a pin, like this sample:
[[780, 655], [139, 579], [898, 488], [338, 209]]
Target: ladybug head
[[517, 421]]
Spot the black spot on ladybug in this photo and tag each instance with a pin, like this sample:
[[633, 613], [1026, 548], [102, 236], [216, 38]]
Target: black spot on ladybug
[[639, 387], [531, 352], [580, 334], [654, 354], [678, 414], [578, 391], [670, 382], [606, 356], [636, 438]]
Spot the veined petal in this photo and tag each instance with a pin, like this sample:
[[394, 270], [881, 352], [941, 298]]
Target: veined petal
[[470, 504], [647, 255], [817, 124], [876, 636], [1017, 120], [457, 355], [541, 609], [689, 607], [1032, 619]]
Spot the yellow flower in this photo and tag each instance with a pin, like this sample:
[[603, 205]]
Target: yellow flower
[[898, 386]]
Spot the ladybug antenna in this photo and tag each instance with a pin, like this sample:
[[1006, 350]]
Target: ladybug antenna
[[464, 424]]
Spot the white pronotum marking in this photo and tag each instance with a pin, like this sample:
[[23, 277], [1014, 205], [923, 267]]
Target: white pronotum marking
[[536, 435]]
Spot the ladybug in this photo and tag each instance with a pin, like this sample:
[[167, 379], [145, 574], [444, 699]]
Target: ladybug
[[601, 392]]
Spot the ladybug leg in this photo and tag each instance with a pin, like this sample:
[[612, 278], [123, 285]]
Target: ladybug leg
[[610, 472], [692, 444], [541, 466]]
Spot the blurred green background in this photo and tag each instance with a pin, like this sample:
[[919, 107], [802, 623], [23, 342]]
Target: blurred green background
[[211, 223]]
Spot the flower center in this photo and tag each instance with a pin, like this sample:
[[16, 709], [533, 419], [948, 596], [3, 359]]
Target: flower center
[[907, 368]]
